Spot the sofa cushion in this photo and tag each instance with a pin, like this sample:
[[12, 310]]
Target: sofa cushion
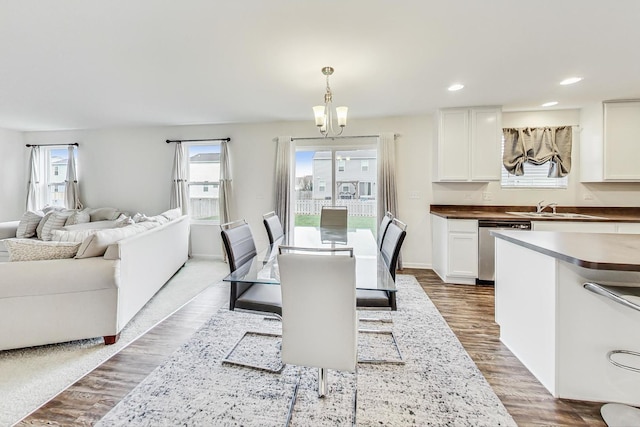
[[36, 250], [172, 214], [54, 221], [104, 214], [28, 224], [97, 243], [97, 225], [78, 217]]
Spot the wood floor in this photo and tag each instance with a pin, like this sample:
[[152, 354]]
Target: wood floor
[[467, 309]]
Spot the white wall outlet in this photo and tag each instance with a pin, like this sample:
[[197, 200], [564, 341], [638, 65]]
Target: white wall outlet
[[414, 194], [587, 196], [486, 195]]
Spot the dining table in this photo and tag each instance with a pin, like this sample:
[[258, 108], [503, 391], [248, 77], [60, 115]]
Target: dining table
[[372, 273]]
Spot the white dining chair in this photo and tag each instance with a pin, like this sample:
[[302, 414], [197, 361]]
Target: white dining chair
[[319, 318], [333, 216]]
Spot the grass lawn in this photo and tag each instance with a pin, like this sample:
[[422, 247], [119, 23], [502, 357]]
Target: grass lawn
[[353, 222]]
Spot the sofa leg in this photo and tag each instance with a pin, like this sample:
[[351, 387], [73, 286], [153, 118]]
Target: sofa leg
[[111, 339]]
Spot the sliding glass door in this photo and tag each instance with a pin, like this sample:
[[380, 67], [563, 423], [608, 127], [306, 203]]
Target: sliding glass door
[[336, 176]]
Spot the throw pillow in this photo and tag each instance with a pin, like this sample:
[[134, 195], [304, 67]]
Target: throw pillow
[[28, 224], [64, 235], [104, 214], [50, 208], [78, 217], [36, 250], [55, 221], [96, 244], [124, 220], [113, 252], [43, 221], [172, 214]]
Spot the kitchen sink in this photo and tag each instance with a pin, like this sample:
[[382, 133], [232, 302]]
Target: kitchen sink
[[551, 215]]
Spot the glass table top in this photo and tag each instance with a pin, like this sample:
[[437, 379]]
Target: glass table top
[[371, 270]]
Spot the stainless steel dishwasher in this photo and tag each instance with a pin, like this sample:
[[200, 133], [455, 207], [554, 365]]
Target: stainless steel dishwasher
[[487, 246]]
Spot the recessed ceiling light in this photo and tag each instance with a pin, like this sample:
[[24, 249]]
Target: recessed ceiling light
[[550, 104], [570, 80], [455, 87]]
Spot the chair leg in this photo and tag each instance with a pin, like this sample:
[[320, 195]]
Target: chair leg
[[322, 382], [400, 361], [293, 399], [227, 360]]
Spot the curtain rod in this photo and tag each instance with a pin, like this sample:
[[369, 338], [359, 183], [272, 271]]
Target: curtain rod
[[169, 141], [336, 137], [47, 145]]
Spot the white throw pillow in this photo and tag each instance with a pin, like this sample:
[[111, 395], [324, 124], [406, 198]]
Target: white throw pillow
[[78, 217], [172, 214], [96, 244], [55, 221], [64, 235], [43, 221], [36, 250], [28, 224], [124, 220], [104, 214]]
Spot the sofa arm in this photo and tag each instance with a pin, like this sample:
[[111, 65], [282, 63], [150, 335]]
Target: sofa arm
[[8, 229]]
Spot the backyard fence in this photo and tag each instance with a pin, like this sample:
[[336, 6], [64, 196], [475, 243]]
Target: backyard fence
[[204, 208], [366, 208]]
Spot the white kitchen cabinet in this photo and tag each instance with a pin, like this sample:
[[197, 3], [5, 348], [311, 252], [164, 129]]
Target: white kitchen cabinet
[[610, 142], [455, 249], [468, 144]]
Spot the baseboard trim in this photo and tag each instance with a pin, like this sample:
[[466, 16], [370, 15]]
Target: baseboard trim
[[416, 265]]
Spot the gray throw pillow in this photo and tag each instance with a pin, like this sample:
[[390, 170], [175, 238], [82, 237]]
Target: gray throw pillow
[[28, 224]]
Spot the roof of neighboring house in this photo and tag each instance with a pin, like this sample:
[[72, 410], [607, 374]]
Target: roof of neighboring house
[[205, 158], [58, 161], [351, 154]]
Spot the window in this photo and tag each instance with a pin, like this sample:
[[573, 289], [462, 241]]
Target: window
[[535, 176], [54, 161], [341, 165], [345, 188], [322, 186], [203, 171], [364, 165], [366, 189]]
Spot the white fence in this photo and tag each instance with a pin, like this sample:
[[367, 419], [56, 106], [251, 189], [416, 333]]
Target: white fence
[[355, 207], [205, 208]]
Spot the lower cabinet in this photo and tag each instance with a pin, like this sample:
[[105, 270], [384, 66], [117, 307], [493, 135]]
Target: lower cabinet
[[455, 249]]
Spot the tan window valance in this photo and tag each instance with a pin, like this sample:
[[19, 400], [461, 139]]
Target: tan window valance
[[538, 146]]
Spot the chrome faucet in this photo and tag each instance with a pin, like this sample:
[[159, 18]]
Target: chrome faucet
[[540, 207]]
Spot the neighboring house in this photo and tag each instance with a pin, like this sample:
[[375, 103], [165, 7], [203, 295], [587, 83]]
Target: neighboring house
[[355, 175], [203, 167], [56, 174]]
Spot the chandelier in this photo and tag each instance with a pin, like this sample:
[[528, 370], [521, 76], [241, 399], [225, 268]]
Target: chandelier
[[324, 113]]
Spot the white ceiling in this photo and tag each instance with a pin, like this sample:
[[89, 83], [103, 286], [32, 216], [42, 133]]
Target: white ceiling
[[68, 64]]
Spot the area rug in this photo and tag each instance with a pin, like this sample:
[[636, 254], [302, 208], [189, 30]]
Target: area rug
[[438, 385], [30, 377]]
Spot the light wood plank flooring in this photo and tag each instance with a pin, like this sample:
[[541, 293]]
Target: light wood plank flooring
[[467, 309]]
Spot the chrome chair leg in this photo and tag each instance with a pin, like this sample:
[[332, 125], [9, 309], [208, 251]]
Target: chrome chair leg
[[227, 360], [322, 382], [399, 361]]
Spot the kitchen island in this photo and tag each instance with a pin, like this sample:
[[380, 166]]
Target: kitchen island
[[559, 330]]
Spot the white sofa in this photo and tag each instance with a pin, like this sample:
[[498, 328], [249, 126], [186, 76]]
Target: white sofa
[[50, 301]]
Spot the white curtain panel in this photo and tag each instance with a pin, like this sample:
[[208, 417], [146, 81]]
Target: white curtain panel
[[225, 184], [71, 191], [283, 182], [387, 194], [33, 189], [179, 192]]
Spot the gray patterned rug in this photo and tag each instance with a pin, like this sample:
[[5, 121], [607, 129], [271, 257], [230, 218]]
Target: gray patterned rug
[[438, 385]]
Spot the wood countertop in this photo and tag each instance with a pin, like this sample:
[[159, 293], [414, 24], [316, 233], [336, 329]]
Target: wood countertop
[[483, 212], [595, 251]]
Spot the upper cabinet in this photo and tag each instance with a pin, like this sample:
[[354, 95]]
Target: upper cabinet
[[610, 142], [468, 144]]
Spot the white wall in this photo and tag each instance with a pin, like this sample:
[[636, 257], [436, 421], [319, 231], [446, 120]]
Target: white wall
[[13, 175], [131, 169]]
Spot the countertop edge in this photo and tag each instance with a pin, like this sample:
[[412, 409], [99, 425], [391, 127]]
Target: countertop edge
[[593, 265]]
